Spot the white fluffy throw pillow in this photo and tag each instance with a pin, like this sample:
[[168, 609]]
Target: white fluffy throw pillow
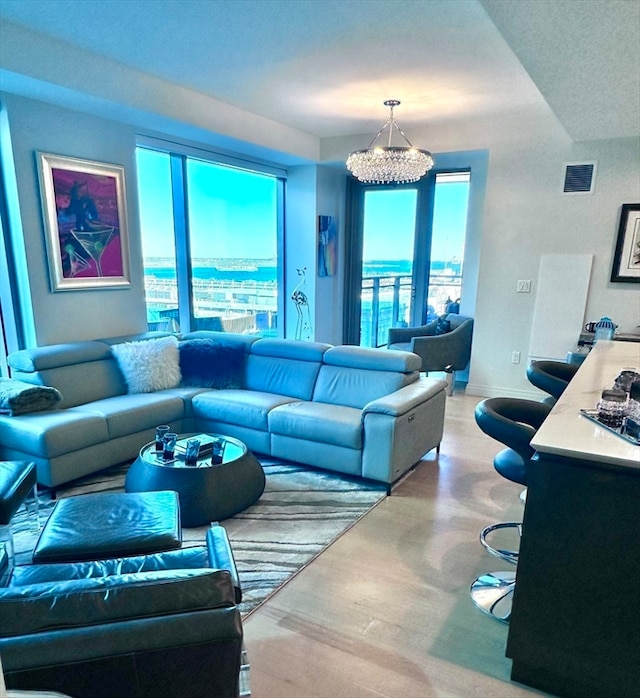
[[149, 365]]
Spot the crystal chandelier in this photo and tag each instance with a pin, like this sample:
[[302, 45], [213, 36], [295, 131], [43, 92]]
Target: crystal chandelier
[[389, 164]]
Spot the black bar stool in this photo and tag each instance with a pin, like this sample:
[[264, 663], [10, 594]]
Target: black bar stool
[[551, 377], [513, 422]]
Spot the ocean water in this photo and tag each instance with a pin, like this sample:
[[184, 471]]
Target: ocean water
[[263, 274]]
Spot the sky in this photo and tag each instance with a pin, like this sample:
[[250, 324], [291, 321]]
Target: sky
[[238, 209], [390, 222]]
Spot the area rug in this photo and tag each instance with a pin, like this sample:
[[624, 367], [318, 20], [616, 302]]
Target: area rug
[[302, 511]]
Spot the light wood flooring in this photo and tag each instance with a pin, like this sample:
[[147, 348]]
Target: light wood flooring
[[385, 611]]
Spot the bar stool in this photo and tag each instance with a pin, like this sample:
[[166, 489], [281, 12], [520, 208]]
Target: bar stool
[[552, 377], [513, 422], [17, 486]]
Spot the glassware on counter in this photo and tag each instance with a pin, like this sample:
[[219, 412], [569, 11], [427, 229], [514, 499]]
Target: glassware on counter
[[612, 407], [632, 421], [625, 378]]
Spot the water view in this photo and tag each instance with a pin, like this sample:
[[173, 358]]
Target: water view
[[241, 295]]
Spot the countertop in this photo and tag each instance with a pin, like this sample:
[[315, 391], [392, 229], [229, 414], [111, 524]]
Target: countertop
[[566, 432]]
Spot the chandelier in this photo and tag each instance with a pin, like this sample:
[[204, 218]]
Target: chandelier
[[389, 164]]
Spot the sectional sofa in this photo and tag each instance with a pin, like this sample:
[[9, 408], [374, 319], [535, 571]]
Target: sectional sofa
[[362, 412]]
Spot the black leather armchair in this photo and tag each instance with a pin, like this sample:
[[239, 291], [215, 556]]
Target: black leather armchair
[[165, 624], [439, 352]]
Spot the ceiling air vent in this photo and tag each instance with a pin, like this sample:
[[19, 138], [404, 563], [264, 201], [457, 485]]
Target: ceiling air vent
[[579, 178]]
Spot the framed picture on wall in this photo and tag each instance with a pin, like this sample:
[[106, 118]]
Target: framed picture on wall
[[85, 222], [327, 243], [626, 258]]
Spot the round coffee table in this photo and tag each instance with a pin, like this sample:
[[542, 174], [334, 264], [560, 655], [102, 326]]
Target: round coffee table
[[206, 492]]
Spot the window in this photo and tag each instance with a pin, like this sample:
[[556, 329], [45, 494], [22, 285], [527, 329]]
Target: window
[[448, 233], [405, 255], [211, 239]]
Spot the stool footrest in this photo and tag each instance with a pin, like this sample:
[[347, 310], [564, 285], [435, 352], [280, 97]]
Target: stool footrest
[[507, 555]]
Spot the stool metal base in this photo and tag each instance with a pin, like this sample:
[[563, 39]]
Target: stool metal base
[[507, 555], [492, 593]]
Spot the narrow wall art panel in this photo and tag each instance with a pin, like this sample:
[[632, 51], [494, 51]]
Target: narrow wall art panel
[[327, 245]]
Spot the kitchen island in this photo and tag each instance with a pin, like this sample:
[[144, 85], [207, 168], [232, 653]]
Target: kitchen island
[[575, 621]]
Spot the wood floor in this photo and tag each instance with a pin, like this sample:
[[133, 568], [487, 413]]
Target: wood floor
[[385, 611]]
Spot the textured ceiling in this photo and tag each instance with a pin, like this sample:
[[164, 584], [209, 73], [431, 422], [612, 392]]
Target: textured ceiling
[[325, 66]]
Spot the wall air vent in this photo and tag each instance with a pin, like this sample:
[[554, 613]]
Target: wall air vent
[[579, 178]]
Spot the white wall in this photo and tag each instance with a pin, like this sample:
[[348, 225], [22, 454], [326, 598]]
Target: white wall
[[69, 315], [300, 251]]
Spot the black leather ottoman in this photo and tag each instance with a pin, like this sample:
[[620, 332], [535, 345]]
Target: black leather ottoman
[[17, 479], [110, 524]]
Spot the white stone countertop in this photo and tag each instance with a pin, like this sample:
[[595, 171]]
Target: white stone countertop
[[566, 432]]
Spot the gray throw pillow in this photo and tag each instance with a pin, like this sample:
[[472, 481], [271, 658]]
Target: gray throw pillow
[[442, 325]]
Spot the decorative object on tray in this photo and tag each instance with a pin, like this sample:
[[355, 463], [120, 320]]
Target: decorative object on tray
[[18, 397], [618, 409], [205, 442]]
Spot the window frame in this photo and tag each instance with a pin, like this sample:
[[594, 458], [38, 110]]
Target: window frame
[[179, 156]]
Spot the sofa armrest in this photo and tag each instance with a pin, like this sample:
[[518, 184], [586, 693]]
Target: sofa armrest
[[404, 400], [406, 334], [44, 607], [221, 556], [452, 348]]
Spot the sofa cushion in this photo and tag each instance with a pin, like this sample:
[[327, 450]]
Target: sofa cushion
[[149, 365], [247, 408], [284, 367], [208, 363], [372, 359], [81, 371], [51, 434], [315, 421], [102, 525], [36, 608], [130, 414], [355, 387], [353, 376], [56, 355]]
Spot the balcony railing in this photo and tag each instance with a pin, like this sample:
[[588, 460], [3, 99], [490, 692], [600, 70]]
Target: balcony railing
[[386, 303]]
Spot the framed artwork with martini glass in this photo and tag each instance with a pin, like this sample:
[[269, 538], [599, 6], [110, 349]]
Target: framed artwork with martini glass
[[85, 223]]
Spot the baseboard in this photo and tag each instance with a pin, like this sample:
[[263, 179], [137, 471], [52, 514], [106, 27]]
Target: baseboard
[[496, 391]]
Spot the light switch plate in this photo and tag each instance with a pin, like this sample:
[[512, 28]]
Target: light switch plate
[[524, 286]]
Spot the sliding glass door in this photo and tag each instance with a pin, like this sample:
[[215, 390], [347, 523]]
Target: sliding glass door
[[405, 254]]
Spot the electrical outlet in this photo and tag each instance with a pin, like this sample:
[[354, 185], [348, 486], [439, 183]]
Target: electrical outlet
[[515, 357], [524, 286]]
